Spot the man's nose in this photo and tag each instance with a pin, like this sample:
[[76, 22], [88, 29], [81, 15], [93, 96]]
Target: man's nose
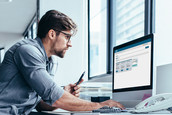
[[69, 44]]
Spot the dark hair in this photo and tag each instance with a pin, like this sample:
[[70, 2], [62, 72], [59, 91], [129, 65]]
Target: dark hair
[[55, 20]]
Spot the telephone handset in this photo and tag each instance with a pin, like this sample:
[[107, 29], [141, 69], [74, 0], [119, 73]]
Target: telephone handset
[[154, 103]]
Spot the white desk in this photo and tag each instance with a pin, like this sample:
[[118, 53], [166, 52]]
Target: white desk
[[105, 114], [82, 113], [87, 91], [64, 112]]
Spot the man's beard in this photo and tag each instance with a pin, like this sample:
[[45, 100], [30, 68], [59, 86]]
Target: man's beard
[[60, 54]]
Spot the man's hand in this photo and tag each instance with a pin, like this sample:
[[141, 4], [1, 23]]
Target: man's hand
[[73, 89], [112, 103]]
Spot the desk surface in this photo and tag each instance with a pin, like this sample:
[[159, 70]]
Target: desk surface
[[63, 112]]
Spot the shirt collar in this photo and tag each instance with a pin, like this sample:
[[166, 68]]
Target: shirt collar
[[41, 45]]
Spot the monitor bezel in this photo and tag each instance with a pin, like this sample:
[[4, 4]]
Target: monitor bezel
[[146, 87]]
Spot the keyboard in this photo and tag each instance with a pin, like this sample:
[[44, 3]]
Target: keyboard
[[107, 109]]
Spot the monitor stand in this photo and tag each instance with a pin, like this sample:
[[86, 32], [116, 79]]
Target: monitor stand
[[129, 103], [131, 98]]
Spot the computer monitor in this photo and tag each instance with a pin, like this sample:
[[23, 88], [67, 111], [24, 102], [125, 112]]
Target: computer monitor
[[133, 71]]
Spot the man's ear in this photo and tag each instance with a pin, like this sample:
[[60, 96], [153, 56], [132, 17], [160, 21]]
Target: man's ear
[[51, 34]]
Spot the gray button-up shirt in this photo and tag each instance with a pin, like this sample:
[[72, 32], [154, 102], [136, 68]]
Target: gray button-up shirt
[[26, 78]]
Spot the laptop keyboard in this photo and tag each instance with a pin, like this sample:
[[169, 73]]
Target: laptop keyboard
[[107, 109]]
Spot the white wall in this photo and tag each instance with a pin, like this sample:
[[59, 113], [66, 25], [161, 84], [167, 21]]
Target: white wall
[[75, 61], [8, 39], [163, 31], [163, 41]]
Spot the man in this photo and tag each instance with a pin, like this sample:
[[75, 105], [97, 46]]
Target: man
[[26, 77]]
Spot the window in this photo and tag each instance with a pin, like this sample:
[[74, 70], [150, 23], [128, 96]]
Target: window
[[34, 29], [98, 35], [129, 20], [1, 54], [31, 31], [113, 22]]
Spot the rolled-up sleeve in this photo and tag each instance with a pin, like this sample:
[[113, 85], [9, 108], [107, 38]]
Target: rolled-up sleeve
[[32, 65]]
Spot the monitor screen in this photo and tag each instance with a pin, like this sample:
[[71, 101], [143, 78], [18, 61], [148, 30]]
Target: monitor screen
[[133, 65]]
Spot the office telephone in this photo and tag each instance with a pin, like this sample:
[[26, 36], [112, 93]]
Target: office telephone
[[154, 103]]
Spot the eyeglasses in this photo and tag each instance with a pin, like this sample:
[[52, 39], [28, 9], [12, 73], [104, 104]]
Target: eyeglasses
[[67, 36]]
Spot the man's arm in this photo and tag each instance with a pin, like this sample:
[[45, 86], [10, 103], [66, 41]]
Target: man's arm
[[69, 101], [72, 103], [42, 106]]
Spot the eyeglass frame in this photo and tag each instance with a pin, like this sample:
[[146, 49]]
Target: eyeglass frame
[[68, 36]]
